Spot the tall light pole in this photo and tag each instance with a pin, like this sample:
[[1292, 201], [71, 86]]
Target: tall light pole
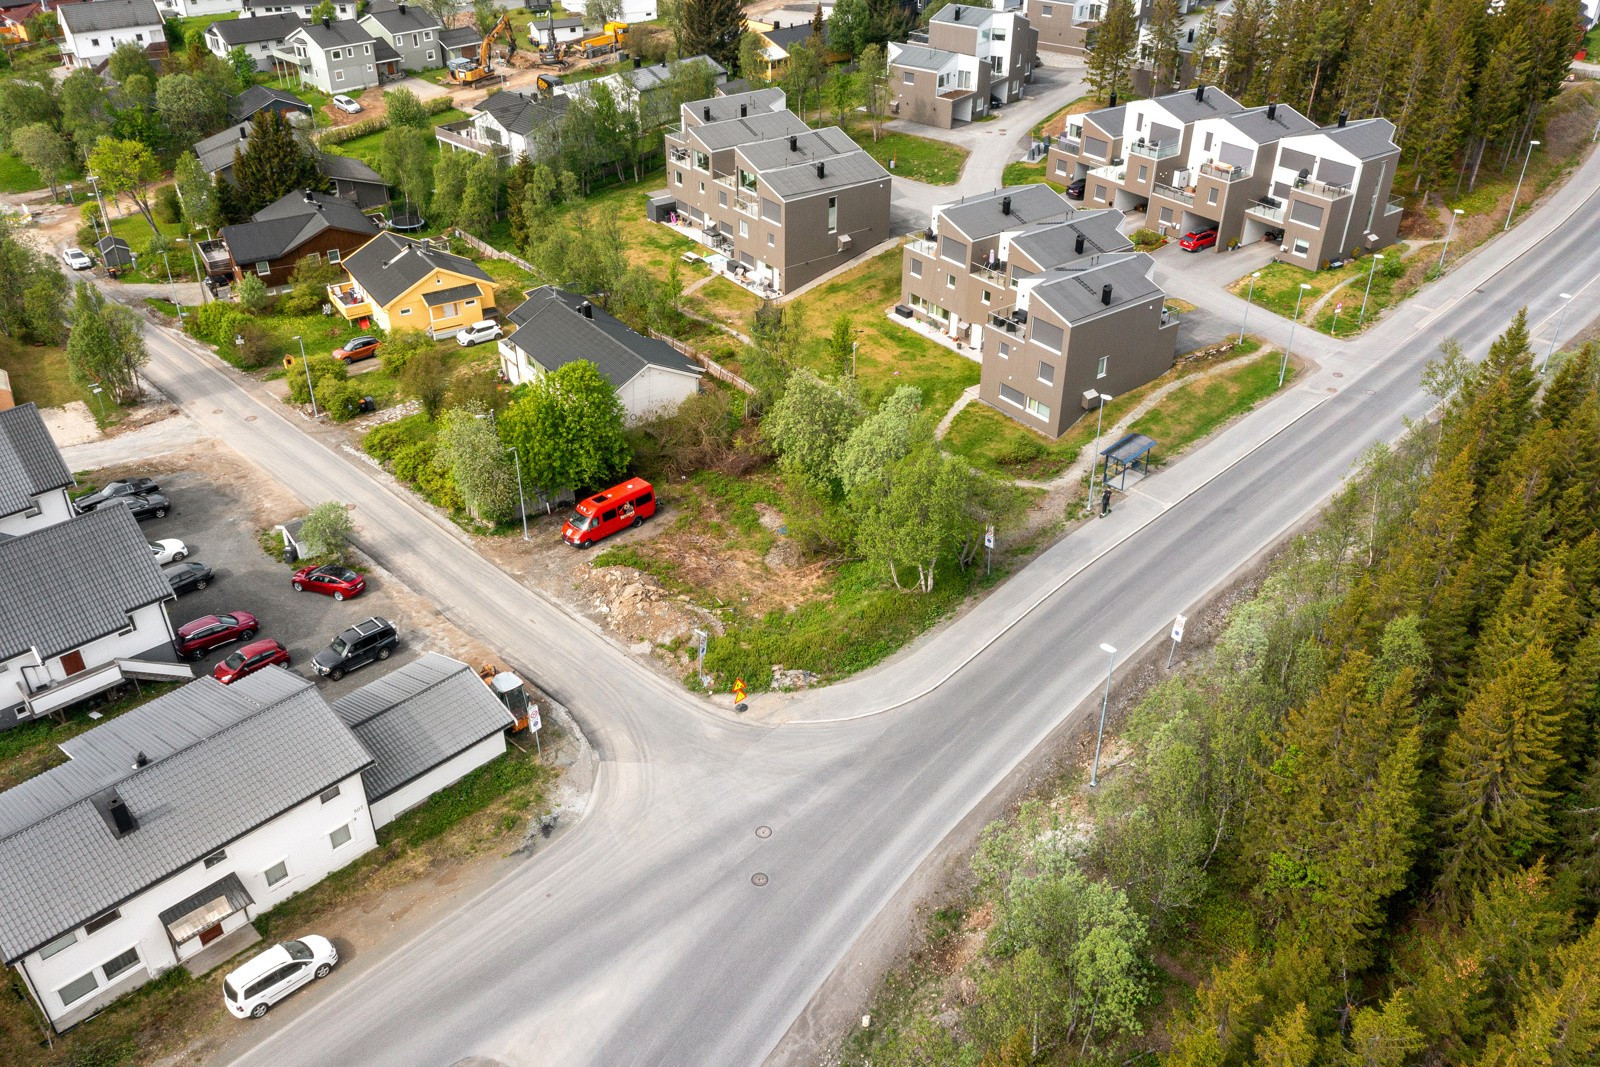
[[522, 502], [168, 263], [1105, 702], [1566, 302], [1454, 214], [1100, 414], [1283, 368], [1531, 146], [853, 346], [311, 390], [1370, 272], [94, 183], [1251, 295]]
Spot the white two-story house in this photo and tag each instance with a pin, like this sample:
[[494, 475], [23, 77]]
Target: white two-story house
[[82, 608], [33, 477], [91, 32]]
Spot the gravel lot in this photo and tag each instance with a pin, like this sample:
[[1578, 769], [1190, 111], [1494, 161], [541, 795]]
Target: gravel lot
[[219, 502]]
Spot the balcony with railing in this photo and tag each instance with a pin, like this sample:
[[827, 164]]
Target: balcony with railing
[[1170, 317], [1224, 172], [924, 247], [994, 275], [350, 300], [1273, 213], [1007, 322], [1153, 149], [463, 134], [1172, 192], [1321, 190], [1395, 205], [1115, 171], [1068, 143], [215, 255]]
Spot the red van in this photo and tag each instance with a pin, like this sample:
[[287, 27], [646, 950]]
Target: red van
[[603, 514]]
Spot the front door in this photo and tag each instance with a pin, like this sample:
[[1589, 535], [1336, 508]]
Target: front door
[[72, 662], [210, 934]]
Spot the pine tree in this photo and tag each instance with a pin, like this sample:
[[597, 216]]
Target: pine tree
[[1288, 1042], [1115, 43], [1558, 1023], [273, 164], [1382, 1037], [712, 28]]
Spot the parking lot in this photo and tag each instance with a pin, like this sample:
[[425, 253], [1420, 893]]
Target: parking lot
[[219, 504]]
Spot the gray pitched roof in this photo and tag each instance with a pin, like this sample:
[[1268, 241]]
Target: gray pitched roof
[[347, 169], [919, 57], [105, 15], [1075, 295], [417, 717], [734, 87], [1109, 120], [1364, 138], [969, 15], [390, 264], [785, 37], [222, 760], [235, 32], [30, 462], [643, 79], [384, 52], [439, 297], [114, 251], [242, 107], [216, 152], [792, 173], [520, 113], [1286, 122], [716, 136], [1056, 244], [977, 217], [414, 18], [553, 332], [723, 108], [289, 222], [1185, 108], [337, 33], [108, 573], [460, 37]]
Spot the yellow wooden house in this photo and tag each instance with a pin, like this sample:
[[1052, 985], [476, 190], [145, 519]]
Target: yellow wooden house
[[401, 283]]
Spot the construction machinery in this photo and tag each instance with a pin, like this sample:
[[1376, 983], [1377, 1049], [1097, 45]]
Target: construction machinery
[[510, 691], [546, 84], [608, 40], [472, 71]]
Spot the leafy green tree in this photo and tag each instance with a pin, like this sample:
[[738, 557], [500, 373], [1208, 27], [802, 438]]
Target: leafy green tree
[[469, 445], [191, 107], [872, 70], [808, 425], [880, 441], [1165, 58], [712, 28], [24, 102], [485, 15], [568, 428], [197, 192], [804, 64], [1115, 44], [841, 93], [85, 109], [923, 515], [45, 150], [1287, 1042], [127, 167], [424, 379], [106, 345], [480, 195], [850, 26], [130, 60], [251, 292], [406, 111], [405, 161], [449, 182], [401, 346], [274, 163], [1021, 992], [325, 9], [1382, 1036], [243, 64], [327, 530], [752, 63]]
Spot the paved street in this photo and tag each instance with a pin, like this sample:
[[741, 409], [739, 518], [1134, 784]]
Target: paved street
[[639, 938]]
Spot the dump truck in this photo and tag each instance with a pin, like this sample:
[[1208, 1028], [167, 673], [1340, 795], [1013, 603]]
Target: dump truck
[[608, 40]]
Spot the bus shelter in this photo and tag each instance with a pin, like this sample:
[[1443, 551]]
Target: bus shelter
[[1130, 453]]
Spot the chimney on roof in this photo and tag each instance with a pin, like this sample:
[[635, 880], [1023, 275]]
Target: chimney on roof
[[822, 170], [1113, 102], [1200, 93], [957, 15], [794, 143], [1344, 117], [744, 111], [1005, 205], [1077, 246], [1105, 295], [327, 23], [705, 112], [1272, 112], [140, 760], [586, 309], [309, 198], [402, 10], [122, 819]]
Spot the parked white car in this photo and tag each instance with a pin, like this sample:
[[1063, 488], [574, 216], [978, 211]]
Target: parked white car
[[77, 259], [266, 979], [478, 332], [345, 104], [169, 550]]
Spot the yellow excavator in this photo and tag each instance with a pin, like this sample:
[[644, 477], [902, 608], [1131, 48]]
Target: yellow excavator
[[472, 71]]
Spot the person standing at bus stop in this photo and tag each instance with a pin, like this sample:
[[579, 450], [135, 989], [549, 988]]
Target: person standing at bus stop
[[1105, 503]]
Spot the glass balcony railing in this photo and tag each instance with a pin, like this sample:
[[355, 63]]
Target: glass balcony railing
[[1154, 149]]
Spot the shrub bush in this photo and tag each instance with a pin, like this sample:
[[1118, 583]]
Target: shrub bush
[[321, 367], [257, 350], [217, 323], [398, 348], [418, 464], [1393, 266], [339, 398], [382, 442], [167, 208], [309, 286]]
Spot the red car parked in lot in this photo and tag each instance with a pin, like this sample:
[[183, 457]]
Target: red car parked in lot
[[253, 657], [357, 348], [197, 638], [1195, 240], [341, 583]]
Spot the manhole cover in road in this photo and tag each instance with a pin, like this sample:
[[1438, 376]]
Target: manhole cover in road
[[216, 411], [758, 879], [1338, 374], [1331, 389], [1371, 392], [249, 418], [763, 832]]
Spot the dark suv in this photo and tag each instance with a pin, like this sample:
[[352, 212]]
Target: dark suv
[[356, 647]]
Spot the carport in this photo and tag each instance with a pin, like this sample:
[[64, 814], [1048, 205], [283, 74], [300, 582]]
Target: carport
[[1130, 453]]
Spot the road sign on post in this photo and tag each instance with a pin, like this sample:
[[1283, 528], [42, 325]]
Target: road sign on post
[[700, 643], [738, 694], [1177, 635], [988, 548]]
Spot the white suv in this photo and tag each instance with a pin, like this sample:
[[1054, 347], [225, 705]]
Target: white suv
[[266, 979], [486, 330]]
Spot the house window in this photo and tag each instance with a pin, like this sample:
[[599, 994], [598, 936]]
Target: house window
[[1046, 10], [744, 228], [1047, 374], [430, 57], [1144, 172], [833, 214], [916, 268], [65, 941], [94, 42], [78, 988], [338, 75], [469, 303], [263, 268], [1036, 408], [1138, 122], [999, 35], [702, 162], [722, 199], [702, 188], [772, 240], [1206, 147], [1005, 350], [1011, 396], [1100, 368], [367, 51], [276, 873], [1301, 246], [907, 78], [215, 858], [1166, 214], [340, 837], [328, 794], [120, 963], [333, 255], [986, 296], [949, 281], [100, 922], [677, 176], [1061, 166], [335, 54], [1211, 196]]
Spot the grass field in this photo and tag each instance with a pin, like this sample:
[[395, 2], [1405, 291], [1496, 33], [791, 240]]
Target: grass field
[[16, 176], [906, 155], [39, 374], [367, 148], [1279, 285], [1020, 173]]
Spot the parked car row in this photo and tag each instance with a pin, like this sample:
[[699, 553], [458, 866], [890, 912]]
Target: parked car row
[[368, 641]]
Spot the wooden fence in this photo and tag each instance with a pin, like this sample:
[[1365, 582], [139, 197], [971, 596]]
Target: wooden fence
[[712, 367]]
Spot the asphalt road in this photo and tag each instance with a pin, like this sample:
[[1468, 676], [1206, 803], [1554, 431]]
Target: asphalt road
[[640, 938]]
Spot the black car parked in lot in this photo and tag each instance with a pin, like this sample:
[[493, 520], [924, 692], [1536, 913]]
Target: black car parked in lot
[[358, 646], [115, 491], [1075, 189], [145, 505], [187, 577]]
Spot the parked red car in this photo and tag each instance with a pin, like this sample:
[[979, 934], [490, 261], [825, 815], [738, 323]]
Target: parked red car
[[357, 348], [341, 583], [1195, 240], [603, 514], [197, 638], [253, 657]]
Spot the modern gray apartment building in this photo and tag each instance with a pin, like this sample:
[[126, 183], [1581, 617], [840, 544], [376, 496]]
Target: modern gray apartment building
[[975, 59], [783, 202]]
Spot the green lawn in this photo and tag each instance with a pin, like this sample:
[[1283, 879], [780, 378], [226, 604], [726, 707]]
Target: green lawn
[[1193, 410], [1020, 173], [16, 176], [368, 147], [133, 229], [194, 26], [1280, 283], [906, 155], [40, 374]]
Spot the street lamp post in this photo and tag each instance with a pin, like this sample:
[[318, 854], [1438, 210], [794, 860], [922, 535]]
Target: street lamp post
[[522, 502], [1100, 414], [1518, 191], [168, 263], [853, 346], [94, 183], [1248, 297], [1105, 702], [1566, 302], [311, 390], [1370, 272], [1454, 214], [1283, 367]]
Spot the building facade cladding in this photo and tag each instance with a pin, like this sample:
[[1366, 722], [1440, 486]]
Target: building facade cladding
[[347, 66], [49, 508], [299, 839], [412, 33], [1132, 339], [1341, 206], [970, 63], [1003, 41], [1063, 26]]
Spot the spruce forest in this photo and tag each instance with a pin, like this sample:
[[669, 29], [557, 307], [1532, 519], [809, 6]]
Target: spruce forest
[[1363, 830]]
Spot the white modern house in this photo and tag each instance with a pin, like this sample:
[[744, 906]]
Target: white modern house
[[168, 830], [508, 124], [342, 9], [33, 477], [91, 32], [257, 36], [555, 327]]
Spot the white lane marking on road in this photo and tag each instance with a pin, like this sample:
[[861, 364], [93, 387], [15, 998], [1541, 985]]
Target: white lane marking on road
[[1147, 496]]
